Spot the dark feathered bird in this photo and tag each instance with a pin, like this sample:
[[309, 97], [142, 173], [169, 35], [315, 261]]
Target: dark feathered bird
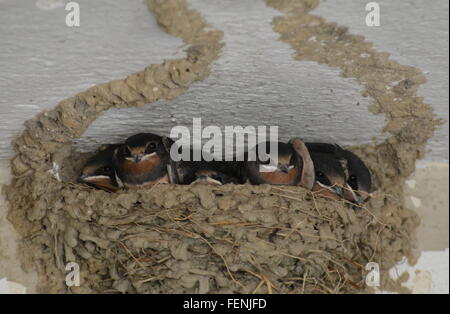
[[99, 171], [358, 181], [142, 160]]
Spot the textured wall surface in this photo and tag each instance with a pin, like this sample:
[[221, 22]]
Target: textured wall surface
[[256, 82], [415, 33], [43, 61]]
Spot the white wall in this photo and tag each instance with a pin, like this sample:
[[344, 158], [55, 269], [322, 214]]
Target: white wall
[[256, 82]]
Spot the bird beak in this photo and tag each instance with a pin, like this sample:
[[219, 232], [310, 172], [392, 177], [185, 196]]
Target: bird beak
[[140, 157], [207, 181], [284, 168], [202, 179], [268, 168], [86, 178], [334, 189], [359, 200], [148, 156], [338, 191], [82, 178], [134, 158], [355, 196], [365, 196]]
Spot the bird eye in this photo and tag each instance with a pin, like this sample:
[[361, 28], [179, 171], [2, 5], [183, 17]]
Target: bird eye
[[320, 174], [107, 169], [151, 146], [219, 178], [353, 182]]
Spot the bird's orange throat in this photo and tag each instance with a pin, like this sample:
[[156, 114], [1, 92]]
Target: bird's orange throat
[[144, 166], [281, 178]]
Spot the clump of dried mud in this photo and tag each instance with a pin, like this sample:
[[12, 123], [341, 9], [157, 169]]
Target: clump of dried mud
[[232, 239]]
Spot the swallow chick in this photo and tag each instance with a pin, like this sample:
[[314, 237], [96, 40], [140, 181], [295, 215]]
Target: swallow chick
[[142, 160], [358, 180], [200, 172], [234, 170], [213, 177], [329, 176], [98, 170], [284, 169]]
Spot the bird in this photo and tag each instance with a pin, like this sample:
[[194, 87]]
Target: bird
[[329, 176], [358, 180], [232, 170], [143, 160], [213, 177], [98, 170], [284, 169], [201, 171]]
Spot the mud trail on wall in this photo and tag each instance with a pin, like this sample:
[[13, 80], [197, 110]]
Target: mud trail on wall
[[231, 239], [392, 87]]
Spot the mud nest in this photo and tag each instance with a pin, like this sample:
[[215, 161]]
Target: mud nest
[[203, 239]]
